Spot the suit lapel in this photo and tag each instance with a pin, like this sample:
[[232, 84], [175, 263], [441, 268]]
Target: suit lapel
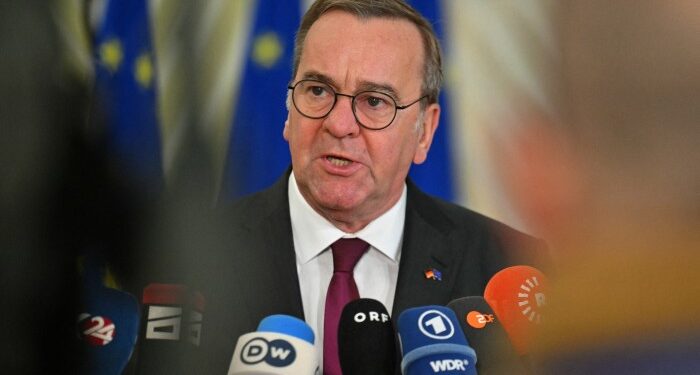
[[276, 289], [427, 244], [251, 275]]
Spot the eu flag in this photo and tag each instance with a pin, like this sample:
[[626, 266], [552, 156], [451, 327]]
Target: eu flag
[[125, 90], [257, 153], [435, 176]]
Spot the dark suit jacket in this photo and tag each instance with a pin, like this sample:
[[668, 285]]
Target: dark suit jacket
[[253, 274]]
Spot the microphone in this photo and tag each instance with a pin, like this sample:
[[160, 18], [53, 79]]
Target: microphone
[[173, 318], [432, 343], [517, 295], [282, 345], [366, 339], [486, 335], [108, 327]]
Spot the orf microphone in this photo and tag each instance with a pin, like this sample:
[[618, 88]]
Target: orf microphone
[[517, 295], [432, 342], [282, 345], [367, 339], [485, 334]]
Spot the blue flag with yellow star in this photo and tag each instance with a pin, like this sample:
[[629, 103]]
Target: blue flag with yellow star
[[435, 176], [125, 90], [257, 153]]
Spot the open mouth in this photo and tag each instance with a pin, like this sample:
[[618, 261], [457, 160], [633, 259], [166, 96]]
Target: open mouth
[[338, 162]]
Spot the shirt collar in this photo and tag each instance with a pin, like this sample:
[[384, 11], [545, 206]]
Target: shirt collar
[[313, 233]]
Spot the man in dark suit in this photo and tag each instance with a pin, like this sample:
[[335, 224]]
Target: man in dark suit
[[362, 108]]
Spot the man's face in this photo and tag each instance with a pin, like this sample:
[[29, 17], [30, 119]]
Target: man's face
[[347, 173]]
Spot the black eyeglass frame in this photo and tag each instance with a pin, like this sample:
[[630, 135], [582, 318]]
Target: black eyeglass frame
[[352, 101]]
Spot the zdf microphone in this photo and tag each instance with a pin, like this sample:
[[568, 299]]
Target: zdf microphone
[[486, 335], [367, 339], [433, 343], [517, 295], [282, 345]]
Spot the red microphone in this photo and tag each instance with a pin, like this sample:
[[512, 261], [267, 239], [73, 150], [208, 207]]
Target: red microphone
[[517, 296], [172, 316]]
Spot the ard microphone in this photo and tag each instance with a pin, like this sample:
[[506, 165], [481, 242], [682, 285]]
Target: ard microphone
[[108, 327], [367, 339], [485, 334], [432, 343], [517, 295], [282, 345]]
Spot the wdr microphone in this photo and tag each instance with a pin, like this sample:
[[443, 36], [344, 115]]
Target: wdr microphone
[[108, 326], [367, 339], [282, 344], [432, 343], [517, 295], [485, 334]]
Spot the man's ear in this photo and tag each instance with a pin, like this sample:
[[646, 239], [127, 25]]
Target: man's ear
[[285, 131], [431, 118]]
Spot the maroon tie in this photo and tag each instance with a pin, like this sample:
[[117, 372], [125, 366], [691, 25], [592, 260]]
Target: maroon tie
[[341, 290]]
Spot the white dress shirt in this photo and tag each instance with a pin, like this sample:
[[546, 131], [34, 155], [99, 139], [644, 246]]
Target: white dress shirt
[[375, 274]]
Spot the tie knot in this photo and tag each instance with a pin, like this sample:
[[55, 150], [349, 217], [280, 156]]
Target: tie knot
[[347, 252]]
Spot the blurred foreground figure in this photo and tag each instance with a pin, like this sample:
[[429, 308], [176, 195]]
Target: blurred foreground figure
[[613, 184]]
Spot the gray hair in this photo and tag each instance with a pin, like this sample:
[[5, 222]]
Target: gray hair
[[391, 9]]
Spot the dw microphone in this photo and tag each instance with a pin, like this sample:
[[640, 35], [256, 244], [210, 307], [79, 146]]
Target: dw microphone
[[282, 345]]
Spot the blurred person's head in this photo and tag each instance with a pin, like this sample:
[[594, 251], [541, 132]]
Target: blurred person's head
[[362, 107], [612, 180], [623, 145]]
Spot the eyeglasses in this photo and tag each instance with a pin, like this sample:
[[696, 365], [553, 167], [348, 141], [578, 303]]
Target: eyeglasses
[[373, 110]]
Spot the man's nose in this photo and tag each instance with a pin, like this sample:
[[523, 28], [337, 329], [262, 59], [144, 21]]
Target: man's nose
[[341, 121]]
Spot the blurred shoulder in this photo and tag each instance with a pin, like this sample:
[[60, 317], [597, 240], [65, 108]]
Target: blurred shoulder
[[255, 207]]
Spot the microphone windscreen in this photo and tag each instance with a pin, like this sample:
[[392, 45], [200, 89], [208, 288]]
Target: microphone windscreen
[[166, 337], [367, 339], [431, 342], [108, 326], [287, 325], [517, 296], [272, 350], [485, 334]]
